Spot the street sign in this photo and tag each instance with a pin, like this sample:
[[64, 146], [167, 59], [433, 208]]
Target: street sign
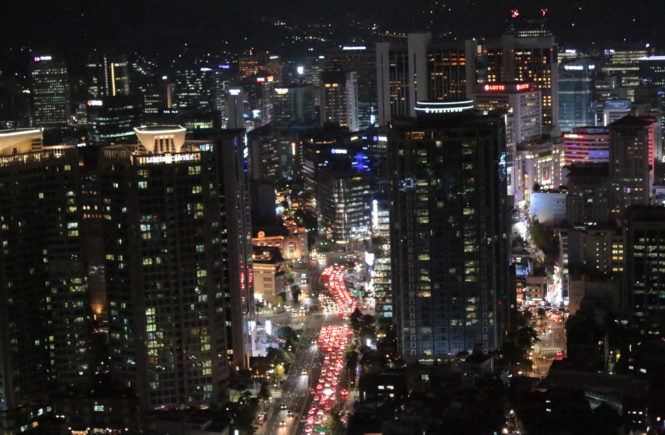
[[321, 429]]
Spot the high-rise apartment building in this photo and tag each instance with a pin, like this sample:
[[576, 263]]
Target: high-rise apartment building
[[448, 238], [45, 339], [50, 92], [178, 280], [339, 99]]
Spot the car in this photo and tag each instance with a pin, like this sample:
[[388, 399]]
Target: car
[[283, 406], [282, 423]]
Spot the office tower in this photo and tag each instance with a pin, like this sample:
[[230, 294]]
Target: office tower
[[521, 105], [362, 60], [249, 66], [283, 104], [625, 65], [108, 76], [381, 268], [652, 71], [112, 120], [589, 194], [343, 201], [537, 164], [586, 145], [50, 92], [392, 81], [15, 104], [644, 238], [525, 57], [631, 161], [45, 340], [193, 88], [235, 107], [423, 69], [448, 231], [178, 282], [614, 110], [339, 99], [576, 106], [520, 101]]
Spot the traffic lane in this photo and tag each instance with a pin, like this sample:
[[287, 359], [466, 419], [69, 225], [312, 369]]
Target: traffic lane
[[290, 393], [312, 326]]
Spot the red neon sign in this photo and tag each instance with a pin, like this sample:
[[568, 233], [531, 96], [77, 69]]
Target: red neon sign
[[495, 88], [514, 13], [522, 86]]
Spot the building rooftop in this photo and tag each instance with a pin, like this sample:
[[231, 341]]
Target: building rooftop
[[589, 170], [160, 139], [20, 140], [631, 121]]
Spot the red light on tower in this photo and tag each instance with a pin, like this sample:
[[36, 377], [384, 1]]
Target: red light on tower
[[514, 13], [544, 12]]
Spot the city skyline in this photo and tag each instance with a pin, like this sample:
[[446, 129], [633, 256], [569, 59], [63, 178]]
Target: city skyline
[[278, 218]]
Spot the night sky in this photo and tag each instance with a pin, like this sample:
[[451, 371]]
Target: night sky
[[160, 24]]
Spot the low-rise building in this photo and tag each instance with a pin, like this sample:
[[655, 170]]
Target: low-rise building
[[268, 268]]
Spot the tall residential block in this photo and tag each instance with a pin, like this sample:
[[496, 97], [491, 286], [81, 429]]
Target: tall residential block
[[449, 231], [178, 279], [45, 338]]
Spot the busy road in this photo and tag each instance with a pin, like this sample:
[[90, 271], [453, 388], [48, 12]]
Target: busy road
[[315, 379]]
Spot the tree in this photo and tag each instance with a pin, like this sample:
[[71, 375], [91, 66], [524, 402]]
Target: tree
[[288, 334], [295, 292], [334, 421], [277, 374], [542, 237], [356, 319]]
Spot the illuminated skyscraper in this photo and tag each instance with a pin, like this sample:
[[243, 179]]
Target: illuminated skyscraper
[[362, 60], [50, 92], [339, 99], [644, 238], [521, 104], [576, 106], [525, 57], [631, 161], [111, 120], [108, 76], [449, 231], [177, 245], [420, 70], [45, 339], [193, 88]]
